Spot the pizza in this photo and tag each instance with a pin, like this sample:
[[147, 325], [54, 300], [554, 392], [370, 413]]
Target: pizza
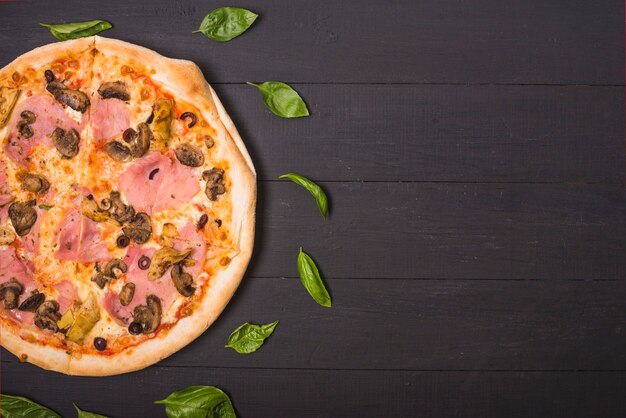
[[127, 204]]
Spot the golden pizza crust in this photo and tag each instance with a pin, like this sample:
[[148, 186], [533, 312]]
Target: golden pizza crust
[[185, 80]]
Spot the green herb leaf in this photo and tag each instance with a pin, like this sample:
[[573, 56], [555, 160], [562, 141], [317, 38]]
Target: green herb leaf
[[66, 31], [46, 207], [311, 280], [316, 191], [226, 23], [20, 407], [198, 402], [282, 100], [250, 337], [85, 414]]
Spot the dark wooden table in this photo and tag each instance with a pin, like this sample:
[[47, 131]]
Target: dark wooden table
[[476, 252]]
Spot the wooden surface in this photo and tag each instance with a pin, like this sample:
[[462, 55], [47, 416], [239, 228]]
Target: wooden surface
[[473, 152]]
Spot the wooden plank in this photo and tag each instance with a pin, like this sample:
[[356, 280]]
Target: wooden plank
[[345, 393], [439, 133], [423, 325], [367, 41], [462, 231]]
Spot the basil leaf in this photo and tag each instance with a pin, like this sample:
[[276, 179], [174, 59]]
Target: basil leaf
[[85, 414], [46, 207], [316, 191], [250, 337], [20, 407], [282, 100], [66, 31], [226, 23], [311, 280], [198, 402]]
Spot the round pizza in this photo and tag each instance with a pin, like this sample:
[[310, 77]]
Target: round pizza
[[127, 203]]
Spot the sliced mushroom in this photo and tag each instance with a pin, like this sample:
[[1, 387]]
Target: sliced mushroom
[[54, 86], [47, 315], [66, 142], [182, 281], [140, 144], [10, 293], [149, 315], [115, 268], [114, 90], [214, 183], [33, 302], [127, 293], [24, 129], [189, 155], [118, 210], [75, 99], [22, 216], [8, 98], [163, 259], [100, 279], [90, 209], [139, 229], [28, 116], [7, 236], [118, 151], [34, 183]]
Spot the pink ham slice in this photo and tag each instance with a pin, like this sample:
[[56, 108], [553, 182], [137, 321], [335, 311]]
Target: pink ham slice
[[163, 288], [172, 183], [50, 115], [30, 241], [66, 294], [12, 266], [5, 190], [190, 238], [79, 239], [109, 119]]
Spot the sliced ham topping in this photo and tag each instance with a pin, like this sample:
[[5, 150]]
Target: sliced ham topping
[[11, 266], [66, 294], [5, 190], [79, 239], [172, 183], [190, 237], [30, 241], [163, 288], [109, 119], [50, 115]]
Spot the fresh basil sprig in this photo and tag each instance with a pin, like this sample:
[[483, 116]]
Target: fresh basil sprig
[[314, 189], [20, 407], [66, 31], [226, 23], [86, 414], [248, 338], [311, 280], [281, 99], [198, 402]]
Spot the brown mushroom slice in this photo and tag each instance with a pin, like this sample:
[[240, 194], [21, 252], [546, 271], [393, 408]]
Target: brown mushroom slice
[[22, 216], [33, 302], [75, 99], [115, 268], [140, 144], [100, 279], [28, 116], [149, 315], [163, 111], [66, 142], [10, 293], [47, 315], [54, 86], [214, 183], [139, 229], [118, 210], [33, 183], [127, 293], [7, 236], [163, 259], [114, 90], [182, 281], [189, 155], [24, 129], [8, 98], [118, 151]]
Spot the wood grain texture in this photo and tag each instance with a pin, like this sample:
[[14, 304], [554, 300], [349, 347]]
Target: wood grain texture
[[446, 41], [439, 133], [445, 231], [340, 393], [422, 325]]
